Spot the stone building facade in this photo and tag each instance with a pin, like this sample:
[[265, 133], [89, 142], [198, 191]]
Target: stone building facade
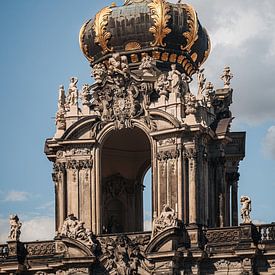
[[141, 113]]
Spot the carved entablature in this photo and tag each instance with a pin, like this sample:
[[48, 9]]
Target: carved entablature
[[79, 164], [168, 154]]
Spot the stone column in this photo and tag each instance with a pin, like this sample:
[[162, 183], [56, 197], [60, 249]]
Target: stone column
[[191, 154], [60, 194], [233, 181]]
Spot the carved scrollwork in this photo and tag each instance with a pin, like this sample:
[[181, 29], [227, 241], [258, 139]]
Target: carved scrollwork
[[192, 34], [102, 35], [169, 154], [41, 249], [223, 236], [160, 14], [190, 153]]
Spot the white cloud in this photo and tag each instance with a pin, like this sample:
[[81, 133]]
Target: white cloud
[[40, 228], [242, 38], [269, 143], [16, 196]]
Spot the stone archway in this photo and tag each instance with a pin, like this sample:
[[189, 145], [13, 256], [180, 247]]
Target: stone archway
[[125, 157]]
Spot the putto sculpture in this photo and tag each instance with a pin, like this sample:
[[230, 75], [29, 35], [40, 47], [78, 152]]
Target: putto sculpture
[[74, 229], [246, 209], [15, 228], [166, 219]]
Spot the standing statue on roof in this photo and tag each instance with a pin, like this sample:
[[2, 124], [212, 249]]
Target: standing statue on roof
[[15, 228], [246, 209]]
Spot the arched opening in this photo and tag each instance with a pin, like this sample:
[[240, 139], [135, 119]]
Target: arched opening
[[125, 158]]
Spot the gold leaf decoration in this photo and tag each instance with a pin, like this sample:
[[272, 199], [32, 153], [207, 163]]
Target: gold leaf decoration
[[192, 34], [102, 35], [83, 46], [159, 13], [131, 46]]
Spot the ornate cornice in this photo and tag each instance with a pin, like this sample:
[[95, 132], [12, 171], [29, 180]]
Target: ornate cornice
[[159, 13]]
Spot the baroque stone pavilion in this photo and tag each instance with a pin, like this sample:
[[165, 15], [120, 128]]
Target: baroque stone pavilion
[[141, 113]]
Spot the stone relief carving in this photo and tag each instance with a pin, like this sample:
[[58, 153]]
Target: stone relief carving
[[162, 86], [246, 209], [190, 104], [147, 67], [41, 249], [123, 256], [85, 94], [15, 228], [166, 219], [223, 236], [74, 229], [169, 154], [119, 96], [225, 265]]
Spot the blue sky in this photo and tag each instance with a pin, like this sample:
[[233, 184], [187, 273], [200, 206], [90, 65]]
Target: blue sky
[[39, 51]]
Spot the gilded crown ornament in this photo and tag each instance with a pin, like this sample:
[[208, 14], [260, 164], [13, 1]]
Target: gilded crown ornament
[[170, 33]]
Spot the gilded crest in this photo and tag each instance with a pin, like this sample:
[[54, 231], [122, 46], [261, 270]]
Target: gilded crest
[[160, 14], [102, 35], [192, 34]]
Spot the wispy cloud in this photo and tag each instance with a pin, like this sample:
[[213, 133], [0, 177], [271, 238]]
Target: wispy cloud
[[46, 206], [16, 196]]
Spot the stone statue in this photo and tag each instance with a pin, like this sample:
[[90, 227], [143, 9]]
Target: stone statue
[[85, 94], [99, 72], [146, 66], [209, 94], [166, 219], [185, 83], [190, 104], [118, 64], [74, 229], [162, 85], [201, 83], [246, 209], [226, 77], [60, 120], [61, 98], [72, 99], [174, 76], [15, 228]]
